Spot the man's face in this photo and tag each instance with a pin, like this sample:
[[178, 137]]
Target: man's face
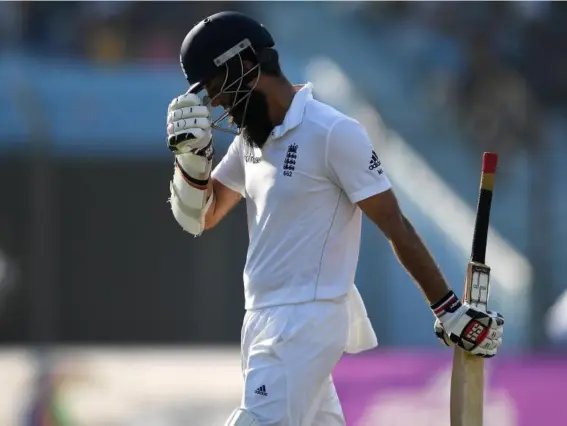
[[248, 109]]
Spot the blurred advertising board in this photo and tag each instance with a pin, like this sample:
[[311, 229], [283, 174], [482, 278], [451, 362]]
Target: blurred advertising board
[[147, 386], [412, 388]]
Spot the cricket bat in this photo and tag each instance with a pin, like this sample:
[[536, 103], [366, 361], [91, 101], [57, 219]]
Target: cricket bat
[[467, 376]]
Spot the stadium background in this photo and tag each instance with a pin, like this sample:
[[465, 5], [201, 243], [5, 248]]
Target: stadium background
[[110, 313]]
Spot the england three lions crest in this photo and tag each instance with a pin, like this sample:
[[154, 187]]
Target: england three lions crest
[[290, 159]]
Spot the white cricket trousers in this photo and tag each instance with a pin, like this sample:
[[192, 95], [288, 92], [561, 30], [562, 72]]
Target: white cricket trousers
[[288, 354]]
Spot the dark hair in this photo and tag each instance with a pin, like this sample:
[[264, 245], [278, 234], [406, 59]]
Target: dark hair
[[269, 62]]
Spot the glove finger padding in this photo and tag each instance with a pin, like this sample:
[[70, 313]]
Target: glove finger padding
[[491, 344], [185, 100], [494, 333], [190, 124], [487, 349], [496, 316], [187, 112]]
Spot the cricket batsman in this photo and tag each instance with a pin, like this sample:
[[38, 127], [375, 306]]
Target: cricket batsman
[[307, 173]]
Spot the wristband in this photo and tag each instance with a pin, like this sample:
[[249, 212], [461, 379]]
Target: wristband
[[448, 304], [207, 152]]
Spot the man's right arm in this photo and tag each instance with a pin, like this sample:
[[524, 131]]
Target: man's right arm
[[224, 199], [226, 184]]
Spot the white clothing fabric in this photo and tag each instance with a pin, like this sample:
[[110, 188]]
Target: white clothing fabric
[[288, 354], [301, 191], [361, 335]]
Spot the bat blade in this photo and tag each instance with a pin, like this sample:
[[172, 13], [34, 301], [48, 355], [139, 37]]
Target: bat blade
[[467, 376], [467, 389]]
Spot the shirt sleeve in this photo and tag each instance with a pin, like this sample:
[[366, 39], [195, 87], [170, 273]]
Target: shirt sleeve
[[352, 162], [230, 170]]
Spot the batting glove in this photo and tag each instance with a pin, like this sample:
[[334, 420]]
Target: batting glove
[[472, 329], [188, 125]]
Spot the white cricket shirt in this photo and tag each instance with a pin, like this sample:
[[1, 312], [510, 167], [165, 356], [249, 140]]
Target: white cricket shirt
[[301, 191]]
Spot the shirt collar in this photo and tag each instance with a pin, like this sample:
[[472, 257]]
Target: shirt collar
[[296, 111]]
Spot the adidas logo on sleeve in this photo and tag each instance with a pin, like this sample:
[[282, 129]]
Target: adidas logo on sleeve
[[261, 391]]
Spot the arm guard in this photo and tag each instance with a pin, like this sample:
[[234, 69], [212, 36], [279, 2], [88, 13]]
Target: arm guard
[[189, 202]]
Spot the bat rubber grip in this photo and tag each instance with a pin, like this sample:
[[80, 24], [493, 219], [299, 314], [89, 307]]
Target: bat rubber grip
[[489, 162]]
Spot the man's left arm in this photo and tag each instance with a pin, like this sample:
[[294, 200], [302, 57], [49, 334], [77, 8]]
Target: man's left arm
[[355, 167], [383, 209]]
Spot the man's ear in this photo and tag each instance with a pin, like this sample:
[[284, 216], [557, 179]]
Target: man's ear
[[254, 78]]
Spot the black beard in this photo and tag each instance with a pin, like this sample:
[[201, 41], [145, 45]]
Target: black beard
[[255, 122]]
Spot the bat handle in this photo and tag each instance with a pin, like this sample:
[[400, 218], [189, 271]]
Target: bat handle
[[489, 162]]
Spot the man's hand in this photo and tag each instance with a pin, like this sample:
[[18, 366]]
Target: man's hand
[[477, 332], [188, 125]]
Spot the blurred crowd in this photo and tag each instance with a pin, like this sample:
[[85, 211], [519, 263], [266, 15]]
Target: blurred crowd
[[491, 59], [105, 33], [498, 65]]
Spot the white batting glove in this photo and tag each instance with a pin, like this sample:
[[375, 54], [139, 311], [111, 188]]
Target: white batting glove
[[188, 125], [472, 329]]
